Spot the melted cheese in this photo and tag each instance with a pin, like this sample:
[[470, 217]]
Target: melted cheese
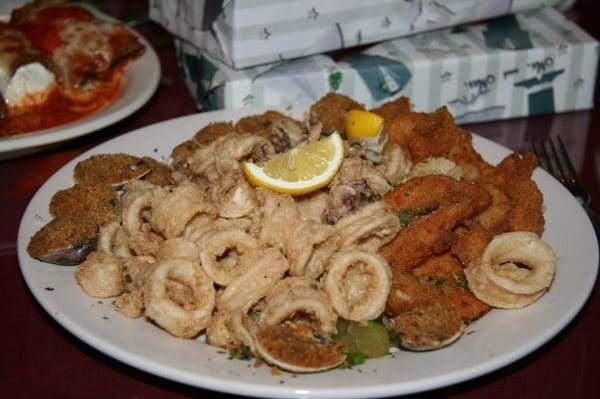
[[28, 86]]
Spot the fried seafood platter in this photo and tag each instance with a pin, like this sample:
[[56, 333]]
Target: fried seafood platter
[[310, 243]]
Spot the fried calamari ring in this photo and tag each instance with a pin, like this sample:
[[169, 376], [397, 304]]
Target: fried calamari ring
[[171, 214], [309, 246], [435, 166], [178, 248], [294, 295], [179, 297], [357, 283], [112, 239], [500, 281], [221, 254], [133, 206], [370, 228], [266, 268]]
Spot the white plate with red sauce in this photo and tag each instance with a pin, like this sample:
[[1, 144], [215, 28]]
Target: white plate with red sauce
[[140, 81], [501, 337]]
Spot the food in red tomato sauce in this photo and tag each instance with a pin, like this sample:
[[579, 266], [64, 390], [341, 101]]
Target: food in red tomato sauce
[[58, 63]]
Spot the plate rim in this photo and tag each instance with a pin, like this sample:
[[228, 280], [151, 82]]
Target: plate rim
[[257, 389], [91, 123]]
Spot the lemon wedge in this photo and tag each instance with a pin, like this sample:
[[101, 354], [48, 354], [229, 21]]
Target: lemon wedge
[[367, 128], [300, 170], [362, 124]]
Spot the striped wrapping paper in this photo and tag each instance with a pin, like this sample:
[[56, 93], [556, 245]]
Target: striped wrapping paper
[[529, 63], [244, 33]]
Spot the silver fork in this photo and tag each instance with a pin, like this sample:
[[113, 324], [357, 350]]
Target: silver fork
[[559, 164]]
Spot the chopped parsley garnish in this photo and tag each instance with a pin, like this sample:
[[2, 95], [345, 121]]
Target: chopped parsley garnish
[[128, 279], [408, 216], [241, 352], [462, 282], [353, 359], [254, 314]]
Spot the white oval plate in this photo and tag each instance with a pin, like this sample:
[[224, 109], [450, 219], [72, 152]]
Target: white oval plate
[[499, 338], [141, 80]]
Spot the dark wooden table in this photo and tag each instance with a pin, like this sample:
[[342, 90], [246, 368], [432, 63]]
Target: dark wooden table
[[39, 358]]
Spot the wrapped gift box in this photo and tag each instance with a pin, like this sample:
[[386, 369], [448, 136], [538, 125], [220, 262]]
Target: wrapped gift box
[[244, 33], [529, 63]]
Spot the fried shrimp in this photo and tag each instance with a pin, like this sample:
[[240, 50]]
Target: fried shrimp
[[513, 177], [179, 297], [430, 207], [433, 191], [435, 134], [440, 280], [424, 236], [357, 283]]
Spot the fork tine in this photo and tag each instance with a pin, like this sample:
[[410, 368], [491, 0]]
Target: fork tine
[[534, 147], [569, 164], [561, 175], [547, 160]]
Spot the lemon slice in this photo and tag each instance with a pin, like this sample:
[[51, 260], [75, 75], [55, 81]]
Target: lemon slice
[[300, 170], [367, 128], [362, 124]]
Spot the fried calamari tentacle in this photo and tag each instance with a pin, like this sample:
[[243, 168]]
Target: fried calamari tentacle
[[172, 213], [179, 297], [222, 254], [234, 195], [101, 275], [358, 284]]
